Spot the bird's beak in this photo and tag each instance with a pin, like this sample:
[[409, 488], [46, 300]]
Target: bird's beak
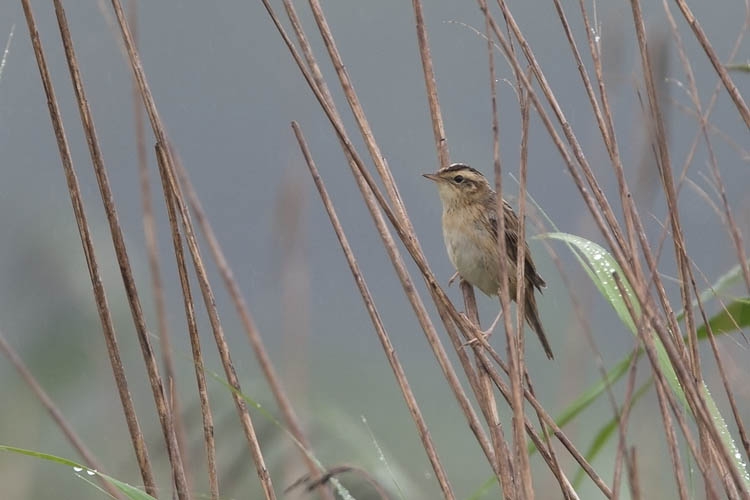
[[432, 177]]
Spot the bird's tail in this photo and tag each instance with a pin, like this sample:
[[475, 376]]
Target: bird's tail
[[532, 318]]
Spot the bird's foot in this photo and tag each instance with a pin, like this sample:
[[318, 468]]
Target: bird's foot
[[453, 278], [485, 334]]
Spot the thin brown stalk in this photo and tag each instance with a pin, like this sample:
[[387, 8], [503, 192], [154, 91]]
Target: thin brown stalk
[[522, 467], [661, 390], [605, 218], [445, 307], [683, 264], [610, 231], [742, 152], [366, 183], [70, 434], [388, 348], [171, 185], [166, 168], [633, 479], [730, 223], [438, 129], [604, 118], [724, 379], [622, 424], [667, 178], [547, 420], [118, 240], [501, 459], [253, 334], [108, 329], [665, 395], [195, 344], [727, 216], [370, 190], [152, 249], [718, 66]]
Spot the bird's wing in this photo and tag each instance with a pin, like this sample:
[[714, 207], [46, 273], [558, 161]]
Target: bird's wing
[[511, 241]]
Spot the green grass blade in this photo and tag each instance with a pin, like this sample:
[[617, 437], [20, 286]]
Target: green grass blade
[[600, 267], [737, 313], [128, 490]]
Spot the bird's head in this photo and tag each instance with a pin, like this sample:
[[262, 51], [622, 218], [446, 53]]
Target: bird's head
[[459, 184]]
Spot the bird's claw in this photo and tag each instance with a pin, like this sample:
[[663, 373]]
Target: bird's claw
[[453, 278]]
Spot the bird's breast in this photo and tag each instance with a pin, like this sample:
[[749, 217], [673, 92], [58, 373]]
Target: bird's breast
[[471, 250]]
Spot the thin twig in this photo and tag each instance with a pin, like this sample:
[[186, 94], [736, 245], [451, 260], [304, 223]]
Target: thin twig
[[388, 348], [118, 240], [152, 249], [105, 316]]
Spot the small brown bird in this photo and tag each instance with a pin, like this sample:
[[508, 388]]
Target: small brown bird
[[470, 234]]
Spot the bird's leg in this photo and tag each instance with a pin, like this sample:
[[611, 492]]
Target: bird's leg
[[486, 333], [489, 331], [453, 278]]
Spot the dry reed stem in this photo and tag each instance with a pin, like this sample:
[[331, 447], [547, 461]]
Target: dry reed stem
[[726, 217], [445, 307], [579, 156], [622, 417], [685, 272], [633, 478], [359, 114], [366, 182], [388, 347], [661, 390], [700, 35], [166, 166], [547, 420], [380, 164], [246, 318], [171, 185], [501, 458], [665, 169], [664, 394], [692, 393], [57, 416], [195, 345], [611, 228], [514, 342], [438, 129], [604, 119], [152, 250], [118, 240], [110, 336]]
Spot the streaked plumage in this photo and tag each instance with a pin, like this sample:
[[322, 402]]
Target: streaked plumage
[[470, 234]]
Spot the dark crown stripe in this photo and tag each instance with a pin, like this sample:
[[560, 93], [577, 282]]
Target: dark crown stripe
[[456, 167]]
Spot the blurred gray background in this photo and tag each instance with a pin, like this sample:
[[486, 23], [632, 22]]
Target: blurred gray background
[[227, 89]]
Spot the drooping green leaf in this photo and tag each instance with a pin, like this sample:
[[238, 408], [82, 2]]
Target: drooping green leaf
[[737, 313], [601, 266]]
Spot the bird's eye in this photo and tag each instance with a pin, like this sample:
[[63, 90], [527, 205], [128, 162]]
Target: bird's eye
[[458, 179]]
